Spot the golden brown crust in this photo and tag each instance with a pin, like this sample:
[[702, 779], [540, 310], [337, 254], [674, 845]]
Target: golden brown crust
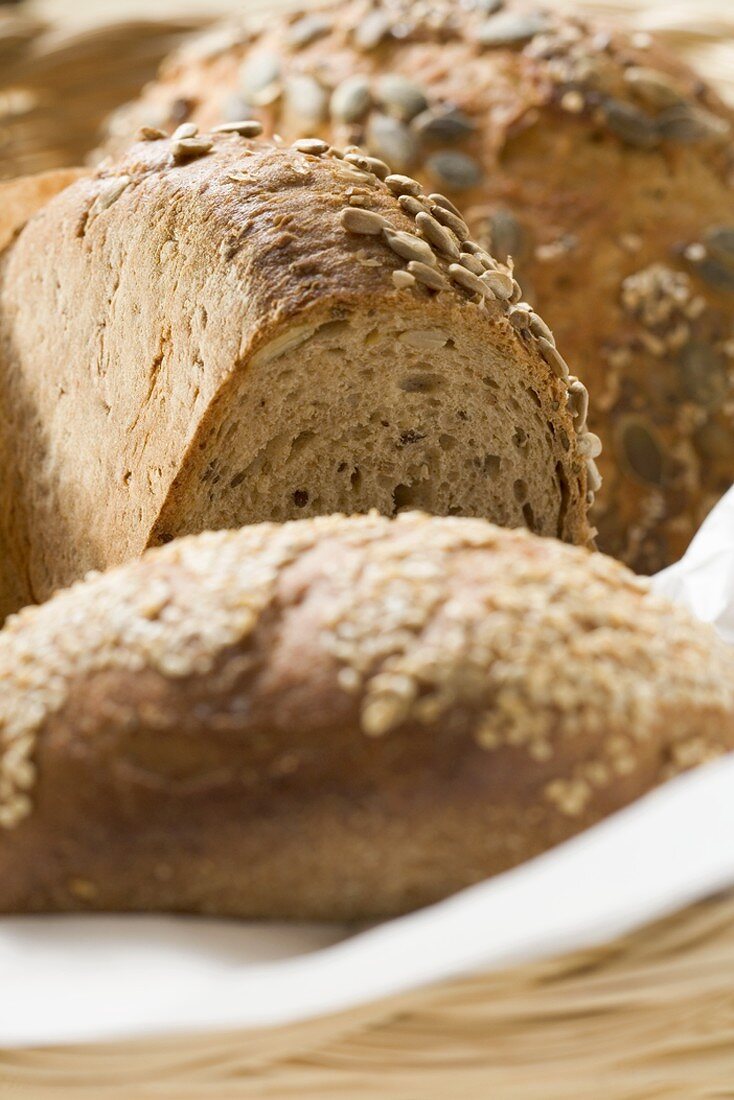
[[602, 163], [131, 305], [339, 717]]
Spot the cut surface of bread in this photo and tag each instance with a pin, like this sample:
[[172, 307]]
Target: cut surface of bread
[[337, 718], [218, 330]]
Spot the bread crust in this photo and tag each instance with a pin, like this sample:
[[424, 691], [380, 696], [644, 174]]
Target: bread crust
[[131, 305], [336, 718], [602, 163]]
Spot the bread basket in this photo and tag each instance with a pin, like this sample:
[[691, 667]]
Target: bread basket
[[643, 1016]]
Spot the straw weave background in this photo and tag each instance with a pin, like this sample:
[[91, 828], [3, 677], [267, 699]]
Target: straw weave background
[[648, 1017]]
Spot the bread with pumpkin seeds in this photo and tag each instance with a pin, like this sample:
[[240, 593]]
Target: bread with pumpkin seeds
[[602, 164], [338, 718], [218, 330]]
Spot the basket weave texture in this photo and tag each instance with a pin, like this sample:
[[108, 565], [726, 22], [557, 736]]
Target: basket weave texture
[[646, 1017]]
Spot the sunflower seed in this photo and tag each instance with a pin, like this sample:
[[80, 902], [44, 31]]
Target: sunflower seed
[[305, 98], [441, 200], [631, 125], [110, 191], [511, 28], [249, 128], [553, 358], [372, 30], [189, 148], [437, 235], [640, 451], [235, 107], [366, 222], [351, 100], [411, 205], [578, 402], [506, 235], [703, 374], [150, 133], [456, 170], [457, 225], [593, 477], [520, 318], [656, 88], [429, 276], [409, 246], [589, 445], [501, 285], [392, 141], [403, 280], [468, 280], [423, 338], [443, 124], [400, 97], [368, 164], [306, 30], [687, 124], [403, 185], [185, 130], [539, 328], [258, 73], [471, 263], [315, 146]]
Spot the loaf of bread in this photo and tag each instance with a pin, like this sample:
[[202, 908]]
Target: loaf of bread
[[596, 159], [336, 717], [218, 330]]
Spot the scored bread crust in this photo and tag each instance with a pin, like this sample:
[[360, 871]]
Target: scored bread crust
[[336, 718], [144, 307], [594, 156]]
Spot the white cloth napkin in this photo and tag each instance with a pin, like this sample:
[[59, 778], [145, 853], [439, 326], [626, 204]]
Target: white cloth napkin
[[75, 979]]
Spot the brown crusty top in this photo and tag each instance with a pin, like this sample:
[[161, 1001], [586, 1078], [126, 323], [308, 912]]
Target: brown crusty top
[[561, 657], [264, 239], [592, 155]]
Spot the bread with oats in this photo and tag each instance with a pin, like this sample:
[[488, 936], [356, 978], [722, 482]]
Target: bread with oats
[[338, 718], [217, 330], [602, 164]]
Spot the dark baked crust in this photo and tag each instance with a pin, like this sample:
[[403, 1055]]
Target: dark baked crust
[[339, 718], [601, 162]]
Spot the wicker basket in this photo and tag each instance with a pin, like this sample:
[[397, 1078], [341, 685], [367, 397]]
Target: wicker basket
[[648, 1016]]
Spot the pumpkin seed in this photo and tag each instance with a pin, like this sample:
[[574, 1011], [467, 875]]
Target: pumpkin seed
[[631, 125], [443, 124], [392, 141], [400, 97], [257, 73], [351, 100], [506, 235], [688, 124], [456, 170], [305, 98], [306, 30], [372, 30], [640, 451], [511, 28], [703, 374]]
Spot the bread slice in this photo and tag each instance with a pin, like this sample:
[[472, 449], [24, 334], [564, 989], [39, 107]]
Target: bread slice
[[219, 330], [337, 718]]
